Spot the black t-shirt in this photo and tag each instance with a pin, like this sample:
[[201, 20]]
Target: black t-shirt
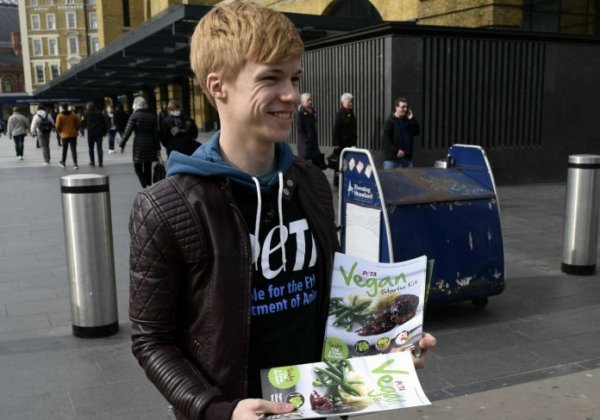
[[284, 307]]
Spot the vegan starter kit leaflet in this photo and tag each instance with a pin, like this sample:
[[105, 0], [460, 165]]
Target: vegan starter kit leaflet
[[375, 312]]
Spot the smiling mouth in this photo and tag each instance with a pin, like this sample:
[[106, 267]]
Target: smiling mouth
[[282, 115]]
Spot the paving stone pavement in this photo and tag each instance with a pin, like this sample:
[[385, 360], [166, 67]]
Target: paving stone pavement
[[532, 353]]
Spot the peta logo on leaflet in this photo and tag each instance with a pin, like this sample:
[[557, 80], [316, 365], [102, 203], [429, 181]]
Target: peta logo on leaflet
[[305, 256]]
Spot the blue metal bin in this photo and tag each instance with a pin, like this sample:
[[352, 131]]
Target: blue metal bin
[[449, 214]]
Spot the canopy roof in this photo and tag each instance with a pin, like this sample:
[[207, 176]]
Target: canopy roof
[[157, 53]]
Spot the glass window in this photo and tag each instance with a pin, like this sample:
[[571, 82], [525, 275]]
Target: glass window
[[51, 21], [71, 20], [54, 70], [6, 86], [39, 73], [91, 2], [93, 21], [35, 22], [37, 47], [49, 2], [52, 46], [73, 45], [33, 3], [69, 1], [94, 44]]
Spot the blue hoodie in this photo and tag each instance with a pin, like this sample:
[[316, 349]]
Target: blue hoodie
[[207, 161]]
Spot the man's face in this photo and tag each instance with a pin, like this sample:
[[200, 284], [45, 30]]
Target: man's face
[[307, 102], [347, 103], [262, 100], [401, 110]]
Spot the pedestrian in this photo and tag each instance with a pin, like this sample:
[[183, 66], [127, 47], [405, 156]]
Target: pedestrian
[[399, 131], [162, 116], [178, 131], [95, 123], [17, 128], [111, 127], [121, 119], [146, 146], [55, 113], [67, 126], [42, 126], [306, 132], [238, 218], [345, 129]]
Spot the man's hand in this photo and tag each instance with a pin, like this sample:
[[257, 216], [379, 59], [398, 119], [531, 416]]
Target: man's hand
[[400, 153], [253, 409], [428, 341], [409, 114]]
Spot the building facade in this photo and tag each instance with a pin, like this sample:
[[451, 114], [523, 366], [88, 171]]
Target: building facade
[[11, 61]]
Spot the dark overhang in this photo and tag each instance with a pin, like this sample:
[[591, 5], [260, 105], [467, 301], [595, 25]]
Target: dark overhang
[[157, 53]]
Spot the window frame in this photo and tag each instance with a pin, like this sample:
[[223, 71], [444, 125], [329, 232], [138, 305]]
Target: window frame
[[69, 49], [67, 15], [53, 16], [35, 17], [37, 78], [53, 51], [40, 44]]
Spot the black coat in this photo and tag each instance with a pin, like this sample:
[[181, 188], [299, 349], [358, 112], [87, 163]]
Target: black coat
[[184, 141], [95, 123], [345, 132], [145, 143], [306, 134], [399, 133]]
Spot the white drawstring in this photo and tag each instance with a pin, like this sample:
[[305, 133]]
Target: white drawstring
[[280, 211], [257, 223]]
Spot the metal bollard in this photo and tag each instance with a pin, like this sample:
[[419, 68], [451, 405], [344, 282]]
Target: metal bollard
[[581, 215], [90, 259]]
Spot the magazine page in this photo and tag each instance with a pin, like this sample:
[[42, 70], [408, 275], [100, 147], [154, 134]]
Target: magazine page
[[345, 387], [374, 307]]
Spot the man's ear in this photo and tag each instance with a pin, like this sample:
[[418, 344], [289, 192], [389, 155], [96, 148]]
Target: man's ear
[[214, 85]]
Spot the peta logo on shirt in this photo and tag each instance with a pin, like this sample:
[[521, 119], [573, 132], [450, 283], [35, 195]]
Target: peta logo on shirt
[[299, 254]]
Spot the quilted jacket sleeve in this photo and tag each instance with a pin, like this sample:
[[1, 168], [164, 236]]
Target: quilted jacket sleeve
[[154, 266]]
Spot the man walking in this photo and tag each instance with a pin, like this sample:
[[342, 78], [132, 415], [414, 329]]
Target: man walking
[[42, 125], [17, 128], [95, 123]]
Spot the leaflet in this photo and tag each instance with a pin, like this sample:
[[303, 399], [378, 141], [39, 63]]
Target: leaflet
[[345, 386], [374, 307]]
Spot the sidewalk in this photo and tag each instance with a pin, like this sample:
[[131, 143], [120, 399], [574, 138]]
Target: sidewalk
[[532, 353]]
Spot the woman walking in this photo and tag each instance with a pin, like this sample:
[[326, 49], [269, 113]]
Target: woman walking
[[146, 145]]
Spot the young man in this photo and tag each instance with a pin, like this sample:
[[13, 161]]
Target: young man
[[215, 245], [398, 136], [95, 123], [67, 125]]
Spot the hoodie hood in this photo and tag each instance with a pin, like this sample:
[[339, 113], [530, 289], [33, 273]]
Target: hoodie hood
[[207, 161], [42, 113]]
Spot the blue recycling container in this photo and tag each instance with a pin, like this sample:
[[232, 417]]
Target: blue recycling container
[[449, 213]]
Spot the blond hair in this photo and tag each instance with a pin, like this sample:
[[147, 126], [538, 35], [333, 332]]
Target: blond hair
[[229, 36]]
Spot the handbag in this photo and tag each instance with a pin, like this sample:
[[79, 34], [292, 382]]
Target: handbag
[[158, 172]]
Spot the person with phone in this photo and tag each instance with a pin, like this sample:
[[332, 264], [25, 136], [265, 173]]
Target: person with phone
[[399, 132]]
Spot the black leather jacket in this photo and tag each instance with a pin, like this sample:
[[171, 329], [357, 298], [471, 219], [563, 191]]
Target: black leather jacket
[[190, 285]]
